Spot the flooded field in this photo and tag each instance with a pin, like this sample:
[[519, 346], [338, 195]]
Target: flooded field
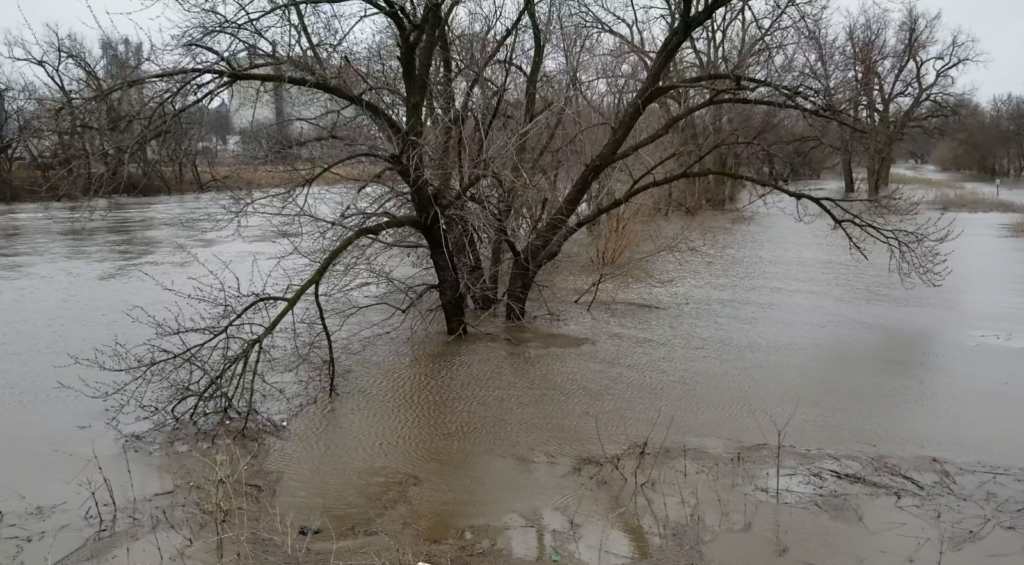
[[767, 318]]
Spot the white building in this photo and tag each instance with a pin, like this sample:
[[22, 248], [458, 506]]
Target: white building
[[302, 112]]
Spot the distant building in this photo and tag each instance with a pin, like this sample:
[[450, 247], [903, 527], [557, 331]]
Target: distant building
[[120, 62], [295, 111]]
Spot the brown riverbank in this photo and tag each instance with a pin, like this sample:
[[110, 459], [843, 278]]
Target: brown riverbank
[[27, 183]]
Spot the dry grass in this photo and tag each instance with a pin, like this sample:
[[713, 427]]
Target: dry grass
[[927, 182], [973, 201], [231, 516], [1017, 227], [223, 510], [249, 176]]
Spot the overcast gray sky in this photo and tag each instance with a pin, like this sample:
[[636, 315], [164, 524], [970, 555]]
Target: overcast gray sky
[[998, 24]]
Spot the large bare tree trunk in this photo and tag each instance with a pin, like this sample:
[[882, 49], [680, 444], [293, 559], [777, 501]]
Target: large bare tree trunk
[[439, 242], [520, 283], [879, 167], [885, 168], [879, 161], [6, 183], [490, 294], [449, 287], [497, 248], [873, 181], [849, 187], [471, 266]]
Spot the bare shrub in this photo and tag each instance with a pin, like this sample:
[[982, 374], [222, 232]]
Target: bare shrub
[[711, 193], [619, 246], [615, 240]]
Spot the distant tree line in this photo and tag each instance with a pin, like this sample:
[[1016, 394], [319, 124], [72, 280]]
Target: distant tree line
[[984, 138]]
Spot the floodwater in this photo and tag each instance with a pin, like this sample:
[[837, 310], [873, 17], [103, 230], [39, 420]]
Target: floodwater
[[767, 318], [65, 284]]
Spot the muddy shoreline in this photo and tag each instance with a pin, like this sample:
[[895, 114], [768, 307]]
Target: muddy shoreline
[[639, 501]]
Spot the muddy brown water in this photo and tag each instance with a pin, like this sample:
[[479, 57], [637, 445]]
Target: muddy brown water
[[64, 287], [769, 317]]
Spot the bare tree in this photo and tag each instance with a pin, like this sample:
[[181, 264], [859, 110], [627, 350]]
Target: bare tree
[[496, 133], [828, 70], [905, 65]]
